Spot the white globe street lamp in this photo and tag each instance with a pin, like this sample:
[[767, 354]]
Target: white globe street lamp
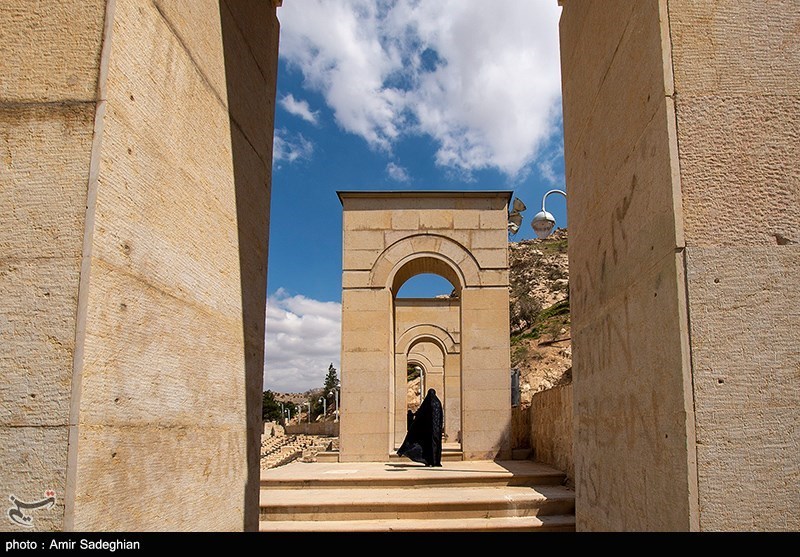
[[543, 222]]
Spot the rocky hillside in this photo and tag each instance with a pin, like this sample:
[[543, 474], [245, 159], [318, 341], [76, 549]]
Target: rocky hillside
[[539, 308], [540, 319]]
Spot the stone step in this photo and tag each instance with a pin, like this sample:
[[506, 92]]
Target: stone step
[[333, 456], [447, 455], [415, 503], [547, 523], [389, 496], [450, 452], [328, 456]]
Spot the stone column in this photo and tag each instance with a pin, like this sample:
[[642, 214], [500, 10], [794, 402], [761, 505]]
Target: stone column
[[400, 396], [680, 136], [139, 154], [367, 387], [485, 365], [51, 113], [737, 103], [452, 402]]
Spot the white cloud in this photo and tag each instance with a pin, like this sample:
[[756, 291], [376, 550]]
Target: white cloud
[[298, 108], [396, 172], [482, 79], [289, 148], [551, 167], [303, 338], [336, 45]]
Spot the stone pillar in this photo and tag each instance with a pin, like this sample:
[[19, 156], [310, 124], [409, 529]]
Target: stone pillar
[[485, 368], [435, 381], [141, 134], [50, 115], [400, 396], [681, 157], [452, 401], [366, 386], [737, 91]]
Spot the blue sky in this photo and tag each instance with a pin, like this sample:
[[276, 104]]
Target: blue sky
[[397, 95]]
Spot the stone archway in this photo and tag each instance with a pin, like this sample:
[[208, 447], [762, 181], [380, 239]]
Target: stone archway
[[421, 364], [436, 350], [388, 238]]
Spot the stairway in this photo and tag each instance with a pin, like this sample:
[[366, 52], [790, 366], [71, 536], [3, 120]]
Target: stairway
[[450, 453], [401, 496]]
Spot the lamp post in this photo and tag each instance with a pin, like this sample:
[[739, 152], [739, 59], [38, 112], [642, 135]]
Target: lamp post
[[543, 222], [336, 411], [324, 406]]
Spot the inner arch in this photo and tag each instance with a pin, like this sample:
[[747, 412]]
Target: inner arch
[[425, 285], [425, 265]]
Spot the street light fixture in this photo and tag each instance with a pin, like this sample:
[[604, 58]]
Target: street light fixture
[[543, 222], [324, 406], [514, 216]]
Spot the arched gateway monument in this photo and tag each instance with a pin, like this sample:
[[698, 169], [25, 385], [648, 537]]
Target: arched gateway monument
[[461, 343], [135, 184]]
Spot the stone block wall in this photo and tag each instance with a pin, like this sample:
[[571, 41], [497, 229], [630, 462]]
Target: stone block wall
[[140, 140], [551, 429], [737, 91], [49, 111], [680, 130], [633, 425]]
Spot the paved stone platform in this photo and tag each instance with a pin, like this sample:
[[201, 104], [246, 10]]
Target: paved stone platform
[[464, 496], [407, 472]]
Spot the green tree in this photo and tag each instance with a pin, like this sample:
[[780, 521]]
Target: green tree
[[327, 392], [331, 380], [270, 408], [331, 387]]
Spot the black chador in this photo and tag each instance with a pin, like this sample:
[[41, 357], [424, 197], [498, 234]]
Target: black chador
[[423, 442]]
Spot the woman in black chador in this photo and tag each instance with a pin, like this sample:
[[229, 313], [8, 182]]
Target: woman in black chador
[[423, 442]]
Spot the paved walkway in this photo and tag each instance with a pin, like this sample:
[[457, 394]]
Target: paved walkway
[[410, 471]]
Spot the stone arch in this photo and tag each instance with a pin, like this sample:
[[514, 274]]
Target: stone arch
[[434, 333], [444, 375], [423, 362], [422, 253], [388, 238]]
